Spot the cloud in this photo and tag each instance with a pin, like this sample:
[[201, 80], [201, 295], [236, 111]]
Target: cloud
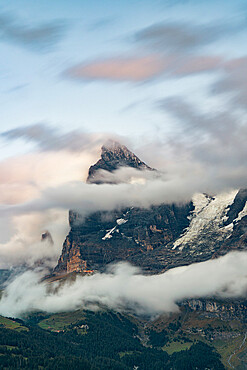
[[36, 197], [200, 156], [184, 37], [24, 246], [143, 190], [134, 69], [213, 141], [35, 38], [101, 23], [141, 69], [23, 179], [123, 287], [48, 138], [195, 64], [234, 82]]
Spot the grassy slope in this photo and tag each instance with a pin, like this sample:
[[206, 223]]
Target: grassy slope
[[225, 346], [61, 321], [172, 347], [11, 324]]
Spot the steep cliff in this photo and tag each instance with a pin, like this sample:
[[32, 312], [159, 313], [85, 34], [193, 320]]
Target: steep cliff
[[130, 234], [157, 238], [114, 156], [223, 309]]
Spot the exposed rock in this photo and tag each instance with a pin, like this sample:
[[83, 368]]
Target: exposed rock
[[158, 238], [114, 156], [237, 206], [46, 236], [223, 309], [100, 240]]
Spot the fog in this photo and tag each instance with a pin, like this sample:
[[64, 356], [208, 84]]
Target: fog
[[123, 287], [38, 189]]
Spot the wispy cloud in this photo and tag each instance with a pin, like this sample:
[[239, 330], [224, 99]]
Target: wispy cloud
[[133, 69], [48, 138], [143, 69], [216, 141], [183, 37], [123, 287], [38, 38], [234, 81]]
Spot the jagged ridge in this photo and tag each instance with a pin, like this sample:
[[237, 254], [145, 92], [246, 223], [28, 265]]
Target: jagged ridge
[[113, 156], [155, 239]]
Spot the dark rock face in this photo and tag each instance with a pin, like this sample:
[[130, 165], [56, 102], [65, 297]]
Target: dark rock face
[[155, 239], [46, 236], [237, 241], [237, 206], [114, 156], [131, 235], [223, 309]]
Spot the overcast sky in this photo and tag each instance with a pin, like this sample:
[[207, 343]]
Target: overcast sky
[[166, 78], [105, 66]]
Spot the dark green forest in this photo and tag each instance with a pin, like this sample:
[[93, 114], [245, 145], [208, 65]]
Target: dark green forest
[[110, 341]]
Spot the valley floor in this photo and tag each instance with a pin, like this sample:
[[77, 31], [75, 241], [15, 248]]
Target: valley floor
[[108, 340]]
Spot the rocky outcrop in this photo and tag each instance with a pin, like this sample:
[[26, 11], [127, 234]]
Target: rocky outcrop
[[237, 206], [46, 237], [223, 309], [126, 235], [157, 238], [114, 156], [131, 234]]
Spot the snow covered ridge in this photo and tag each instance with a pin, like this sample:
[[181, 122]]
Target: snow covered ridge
[[207, 222], [108, 235], [208, 219], [119, 221]]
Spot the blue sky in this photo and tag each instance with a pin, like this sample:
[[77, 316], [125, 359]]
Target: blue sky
[[72, 65], [167, 78]]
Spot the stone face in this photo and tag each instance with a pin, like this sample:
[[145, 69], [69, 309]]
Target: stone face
[[102, 239], [223, 309], [157, 238], [46, 236], [130, 234], [237, 206], [114, 156]]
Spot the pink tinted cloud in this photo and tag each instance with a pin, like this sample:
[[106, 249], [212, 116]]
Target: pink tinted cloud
[[134, 69], [197, 64], [138, 69]]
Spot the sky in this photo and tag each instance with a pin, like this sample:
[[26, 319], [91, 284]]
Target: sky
[[166, 78], [107, 66]]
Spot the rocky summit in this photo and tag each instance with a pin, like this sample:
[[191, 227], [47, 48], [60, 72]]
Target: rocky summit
[[114, 156], [156, 238]]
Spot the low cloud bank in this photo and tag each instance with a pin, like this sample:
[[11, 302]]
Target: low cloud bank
[[39, 188], [88, 198], [124, 287]]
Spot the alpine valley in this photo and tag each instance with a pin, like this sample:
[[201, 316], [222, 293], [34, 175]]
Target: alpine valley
[[206, 333]]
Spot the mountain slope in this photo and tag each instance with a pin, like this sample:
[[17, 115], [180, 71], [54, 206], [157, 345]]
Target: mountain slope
[[114, 156], [157, 238]]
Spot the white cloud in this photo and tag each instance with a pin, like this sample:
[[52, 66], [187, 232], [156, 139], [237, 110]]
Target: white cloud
[[123, 287]]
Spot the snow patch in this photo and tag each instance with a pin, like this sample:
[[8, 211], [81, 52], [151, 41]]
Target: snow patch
[[207, 217], [121, 221], [108, 235]]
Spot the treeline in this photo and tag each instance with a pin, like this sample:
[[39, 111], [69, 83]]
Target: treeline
[[110, 343]]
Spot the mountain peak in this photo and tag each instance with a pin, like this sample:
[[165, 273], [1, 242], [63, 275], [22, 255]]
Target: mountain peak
[[114, 149], [113, 156]]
